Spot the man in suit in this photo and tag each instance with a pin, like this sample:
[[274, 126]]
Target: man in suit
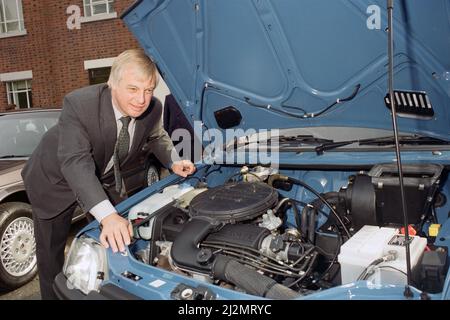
[[101, 128]]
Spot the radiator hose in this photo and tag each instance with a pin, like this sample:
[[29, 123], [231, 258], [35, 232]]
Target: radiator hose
[[250, 280]]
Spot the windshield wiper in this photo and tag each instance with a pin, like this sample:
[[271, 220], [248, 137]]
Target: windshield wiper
[[382, 141], [303, 139], [10, 156], [410, 140], [283, 141]]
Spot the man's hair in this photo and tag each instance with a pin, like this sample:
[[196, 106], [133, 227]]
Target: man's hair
[[135, 57]]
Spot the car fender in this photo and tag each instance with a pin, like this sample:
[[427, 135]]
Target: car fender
[[11, 189]]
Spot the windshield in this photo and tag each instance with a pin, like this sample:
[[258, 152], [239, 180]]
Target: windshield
[[21, 132]]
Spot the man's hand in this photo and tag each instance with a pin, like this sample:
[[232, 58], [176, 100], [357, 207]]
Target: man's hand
[[183, 168], [116, 232]]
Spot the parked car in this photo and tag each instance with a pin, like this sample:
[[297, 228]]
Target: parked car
[[321, 216], [20, 133]]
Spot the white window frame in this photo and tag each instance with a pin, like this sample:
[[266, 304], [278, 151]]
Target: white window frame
[[98, 63], [21, 31], [12, 77], [99, 16], [10, 90]]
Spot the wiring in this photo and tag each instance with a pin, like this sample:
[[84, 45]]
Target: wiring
[[308, 187], [304, 115], [311, 261], [333, 261], [254, 259], [206, 86], [275, 109], [392, 268], [369, 270], [338, 101]]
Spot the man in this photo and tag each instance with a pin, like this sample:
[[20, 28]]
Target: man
[[101, 128]]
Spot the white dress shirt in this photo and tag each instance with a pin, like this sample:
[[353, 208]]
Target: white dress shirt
[[105, 207]]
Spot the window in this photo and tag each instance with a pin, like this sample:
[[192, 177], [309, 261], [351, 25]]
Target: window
[[99, 75], [98, 7], [98, 69], [11, 16], [19, 93]]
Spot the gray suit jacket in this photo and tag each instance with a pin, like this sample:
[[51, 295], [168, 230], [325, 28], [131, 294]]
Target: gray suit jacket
[[68, 163]]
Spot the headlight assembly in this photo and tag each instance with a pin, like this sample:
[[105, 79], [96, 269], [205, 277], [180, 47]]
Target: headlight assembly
[[86, 266]]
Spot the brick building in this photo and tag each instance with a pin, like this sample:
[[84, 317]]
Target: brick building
[[46, 51]]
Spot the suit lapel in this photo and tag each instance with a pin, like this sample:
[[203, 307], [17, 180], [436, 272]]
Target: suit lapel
[[108, 124], [139, 132]]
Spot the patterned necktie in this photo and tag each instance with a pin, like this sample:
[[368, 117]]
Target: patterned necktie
[[120, 153]]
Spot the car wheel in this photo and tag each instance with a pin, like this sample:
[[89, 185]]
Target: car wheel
[[152, 174], [17, 245]]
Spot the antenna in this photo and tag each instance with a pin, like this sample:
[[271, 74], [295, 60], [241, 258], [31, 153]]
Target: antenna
[[390, 7]]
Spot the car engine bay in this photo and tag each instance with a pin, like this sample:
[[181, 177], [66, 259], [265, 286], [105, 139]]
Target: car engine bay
[[266, 232]]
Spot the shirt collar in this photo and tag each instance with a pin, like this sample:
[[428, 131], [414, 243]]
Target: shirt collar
[[118, 114]]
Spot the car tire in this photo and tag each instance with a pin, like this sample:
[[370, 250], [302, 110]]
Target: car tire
[[152, 175], [17, 245]]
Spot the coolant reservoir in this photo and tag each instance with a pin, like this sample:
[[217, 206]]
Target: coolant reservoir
[[371, 243], [152, 204]]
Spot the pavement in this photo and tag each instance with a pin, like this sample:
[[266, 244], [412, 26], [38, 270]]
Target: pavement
[[30, 291]]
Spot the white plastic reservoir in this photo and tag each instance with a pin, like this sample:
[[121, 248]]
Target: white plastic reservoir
[[371, 243], [154, 203]]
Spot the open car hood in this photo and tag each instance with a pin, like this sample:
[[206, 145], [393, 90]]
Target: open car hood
[[300, 56]]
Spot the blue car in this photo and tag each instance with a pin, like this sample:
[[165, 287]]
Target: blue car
[[298, 192]]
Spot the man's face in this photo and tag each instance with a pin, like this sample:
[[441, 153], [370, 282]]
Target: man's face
[[132, 94]]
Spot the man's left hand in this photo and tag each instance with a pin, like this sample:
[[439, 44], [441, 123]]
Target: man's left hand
[[183, 168]]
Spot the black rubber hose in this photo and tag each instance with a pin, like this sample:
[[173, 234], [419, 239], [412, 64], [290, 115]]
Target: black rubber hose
[[250, 280], [428, 207], [312, 226], [331, 197], [185, 251], [296, 216], [304, 223], [275, 177]]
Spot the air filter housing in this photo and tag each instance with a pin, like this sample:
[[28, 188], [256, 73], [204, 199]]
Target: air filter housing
[[234, 202]]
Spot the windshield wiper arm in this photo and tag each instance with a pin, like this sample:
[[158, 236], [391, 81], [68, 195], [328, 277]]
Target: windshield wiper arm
[[283, 141], [303, 139], [9, 156], [382, 141], [332, 145]]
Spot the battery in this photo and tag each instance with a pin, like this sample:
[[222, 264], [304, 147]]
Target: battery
[[371, 243]]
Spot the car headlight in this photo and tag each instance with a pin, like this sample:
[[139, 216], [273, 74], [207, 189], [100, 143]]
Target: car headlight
[[86, 266]]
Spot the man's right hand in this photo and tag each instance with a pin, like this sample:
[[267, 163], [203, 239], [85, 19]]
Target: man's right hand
[[116, 232]]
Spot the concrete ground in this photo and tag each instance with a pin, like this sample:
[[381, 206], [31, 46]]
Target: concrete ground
[[30, 291]]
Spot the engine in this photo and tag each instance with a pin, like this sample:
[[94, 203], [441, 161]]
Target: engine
[[236, 234]]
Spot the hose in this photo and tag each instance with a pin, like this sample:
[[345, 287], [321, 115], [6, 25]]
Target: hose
[[275, 177], [250, 280]]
